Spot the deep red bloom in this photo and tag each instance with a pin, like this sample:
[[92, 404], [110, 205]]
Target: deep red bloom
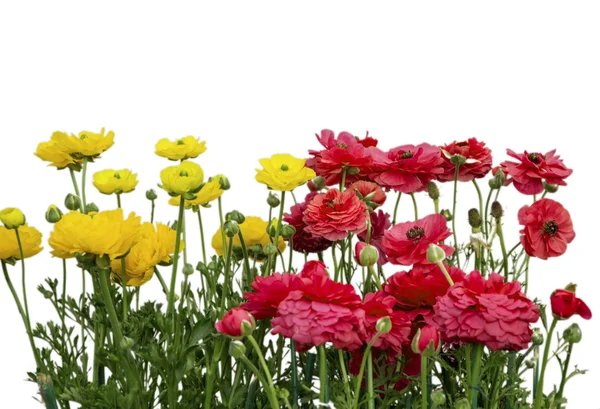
[[368, 141], [565, 304], [340, 153], [313, 270], [407, 243], [547, 229], [303, 241], [426, 336], [380, 223], [416, 290], [332, 215], [367, 188], [488, 312], [470, 149], [532, 168], [323, 311], [231, 324], [407, 168], [269, 292]]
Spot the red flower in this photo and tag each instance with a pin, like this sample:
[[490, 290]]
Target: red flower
[[323, 311], [269, 292], [565, 304], [532, 168], [425, 337], [303, 241], [368, 141], [333, 214], [547, 229], [340, 153], [470, 149], [407, 168], [367, 188], [407, 243], [380, 223], [314, 270], [416, 290], [231, 324], [488, 312]]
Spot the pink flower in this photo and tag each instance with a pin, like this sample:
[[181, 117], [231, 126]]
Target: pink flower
[[469, 149], [303, 241], [367, 189], [533, 168], [231, 324], [269, 292]]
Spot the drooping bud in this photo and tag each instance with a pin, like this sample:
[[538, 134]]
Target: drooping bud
[[475, 220], [231, 228], [433, 190], [91, 208], [438, 398], [72, 202], [498, 180], [237, 349], [367, 254], [53, 214], [151, 194], [572, 334], [446, 213], [188, 269], [435, 254], [273, 200], [497, 210], [201, 267], [383, 325], [530, 363], [223, 181], [287, 231], [235, 216]]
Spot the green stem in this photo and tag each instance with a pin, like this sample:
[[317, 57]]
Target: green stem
[[271, 395], [540, 388], [225, 293], [64, 288], [294, 370], [396, 208], [202, 236], [171, 307], [124, 287], [263, 363], [526, 273], [74, 180], [445, 272], [83, 172], [454, 216], [210, 378], [478, 196], [474, 382], [370, 392], [344, 375], [500, 234], [373, 273], [152, 212], [424, 381], [278, 228], [343, 181], [81, 320], [324, 382], [362, 370], [222, 226], [162, 281], [25, 303], [415, 207], [119, 200], [485, 215]]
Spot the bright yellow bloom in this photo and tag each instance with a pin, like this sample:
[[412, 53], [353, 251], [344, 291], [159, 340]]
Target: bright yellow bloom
[[86, 144], [12, 217], [210, 191], [183, 178], [152, 247], [185, 148], [254, 231], [31, 241], [55, 152], [106, 233], [111, 181], [284, 172]]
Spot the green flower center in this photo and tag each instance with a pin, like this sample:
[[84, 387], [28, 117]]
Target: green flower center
[[285, 167], [183, 173], [84, 136], [416, 233], [550, 228], [180, 142], [407, 155], [117, 176]]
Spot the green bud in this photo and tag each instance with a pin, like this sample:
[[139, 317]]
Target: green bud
[[271, 229], [237, 349], [433, 190], [352, 171], [85, 259], [493, 184], [550, 188], [438, 398], [530, 363], [273, 200], [231, 228], [174, 225], [103, 262], [235, 216], [283, 393], [462, 403], [201, 267], [247, 328], [435, 254], [224, 182], [383, 325], [270, 249], [53, 214], [91, 208], [368, 256], [446, 213], [127, 343], [475, 220], [72, 202], [537, 338], [188, 269], [500, 178], [497, 210], [151, 194], [287, 231], [256, 249], [572, 334], [319, 182]]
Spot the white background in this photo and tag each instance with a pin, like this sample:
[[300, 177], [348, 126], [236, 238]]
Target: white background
[[254, 79]]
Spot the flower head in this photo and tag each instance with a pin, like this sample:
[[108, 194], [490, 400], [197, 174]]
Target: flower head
[[369, 192], [56, 153], [111, 181], [236, 323], [84, 145], [269, 292], [547, 229], [12, 217], [254, 231], [283, 172], [533, 168], [478, 156], [303, 241], [210, 191], [565, 304], [180, 149], [426, 340], [31, 241], [183, 178]]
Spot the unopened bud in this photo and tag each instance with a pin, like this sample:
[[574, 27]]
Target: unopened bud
[[316, 184], [433, 190], [256, 249], [475, 220], [446, 213], [72, 202], [462, 403], [435, 254], [438, 398], [223, 181], [151, 194], [273, 200], [188, 269], [383, 325], [201, 267], [235, 216], [498, 180], [91, 208], [247, 328], [368, 255], [53, 214], [231, 228], [530, 363], [572, 334], [550, 188], [237, 349], [287, 231], [269, 249], [537, 338], [497, 210], [127, 343]]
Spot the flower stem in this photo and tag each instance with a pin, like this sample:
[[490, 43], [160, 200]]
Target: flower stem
[[324, 382], [474, 382], [415, 207], [424, 371], [118, 200], [454, 216], [445, 272], [171, 307], [396, 208], [265, 382], [540, 388], [362, 370], [294, 370], [202, 236], [344, 375], [152, 212], [83, 172], [500, 234], [124, 287], [263, 363], [485, 215], [74, 180], [371, 394], [278, 227], [343, 181], [225, 293]]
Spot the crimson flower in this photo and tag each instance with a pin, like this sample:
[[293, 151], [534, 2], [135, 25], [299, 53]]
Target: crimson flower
[[303, 241], [268, 293], [426, 339], [565, 304], [547, 229], [314, 270], [407, 243], [469, 149], [532, 168], [332, 215], [488, 312], [231, 324]]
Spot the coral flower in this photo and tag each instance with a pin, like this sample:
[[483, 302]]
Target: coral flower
[[547, 229], [302, 240], [407, 243], [532, 168], [283, 172], [269, 292], [183, 178], [488, 312], [479, 165], [370, 192], [111, 181], [254, 231], [180, 149], [31, 241]]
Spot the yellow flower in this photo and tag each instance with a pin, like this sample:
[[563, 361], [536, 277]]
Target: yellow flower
[[111, 181], [284, 172], [88, 144], [254, 231], [105, 233], [183, 178], [210, 191], [185, 148], [55, 152], [31, 241], [12, 217]]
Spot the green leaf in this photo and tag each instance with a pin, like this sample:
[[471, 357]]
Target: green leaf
[[201, 330]]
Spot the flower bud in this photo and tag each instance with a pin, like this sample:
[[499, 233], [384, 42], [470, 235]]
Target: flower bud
[[475, 219], [273, 200], [367, 254], [497, 210], [426, 340], [53, 214], [438, 398], [572, 334], [550, 188], [174, 225], [235, 216], [283, 394], [493, 184], [269, 249], [247, 328], [237, 349], [72, 202], [433, 190], [201, 267], [223, 181], [462, 403], [498, 180], [446, 213], [287, 231], [383, 325], [256, 249], [12, 217], [435, 254], [316, 184], [530, 363], [91, 208], [151, 194], [188, 269], [231, 228], [537, 338], [127, 343]]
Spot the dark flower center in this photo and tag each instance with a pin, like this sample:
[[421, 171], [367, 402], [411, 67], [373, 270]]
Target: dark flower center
[[407, 155], [550, 228], [415, 233], [536, 157], [342, 145]]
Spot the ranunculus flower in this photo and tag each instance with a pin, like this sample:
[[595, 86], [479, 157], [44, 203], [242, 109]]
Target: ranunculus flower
[[231, 324], [407, 168], [111, 181], [380, 223], [415, 291], [547, 229], [180, 149], [31, 241], [322, 311], [12, 217], [407, 243], [343, 152], [302, 240], [210, 191], [533, 168], [313, 270], [469, 149], [369, 188], [85, 144], [334, 214], [183, 178], [565, 304], [283, 172], [427, 339], [269, 292], [254, 231], [488, 312], [56, 153]]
